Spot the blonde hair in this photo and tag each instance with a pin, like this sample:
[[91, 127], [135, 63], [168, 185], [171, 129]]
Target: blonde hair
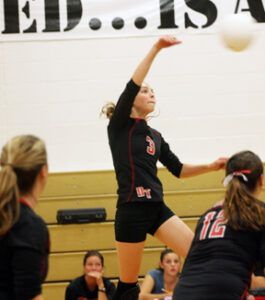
[[21, 161], [108, 109]]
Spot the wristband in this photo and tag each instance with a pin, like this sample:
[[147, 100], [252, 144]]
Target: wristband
[[103, 290]]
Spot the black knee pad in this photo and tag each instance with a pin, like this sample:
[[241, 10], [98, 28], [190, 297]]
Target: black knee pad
[[131, 294]]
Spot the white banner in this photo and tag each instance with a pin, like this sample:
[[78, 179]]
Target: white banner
[[68, 19]]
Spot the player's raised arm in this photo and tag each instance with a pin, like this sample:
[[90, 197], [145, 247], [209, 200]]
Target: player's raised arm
[[144, 66], [121, 112]]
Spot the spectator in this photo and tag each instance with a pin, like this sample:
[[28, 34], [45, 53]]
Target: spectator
[[159, 283], [92, 285]]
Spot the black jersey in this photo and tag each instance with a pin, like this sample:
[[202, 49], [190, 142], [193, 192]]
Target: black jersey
[[24, 257], [220, 261], [136, 148], [78, 289]]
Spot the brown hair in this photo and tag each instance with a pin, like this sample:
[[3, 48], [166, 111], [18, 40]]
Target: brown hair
[[164, 253], [108, 109], [21, 161], [93, 253], [241, 209]]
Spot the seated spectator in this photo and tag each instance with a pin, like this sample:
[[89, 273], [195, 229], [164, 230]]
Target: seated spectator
[[91, 285], [159, 283]]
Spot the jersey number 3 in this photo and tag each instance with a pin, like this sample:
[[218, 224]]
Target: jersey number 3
[[151, 148], [213, 226]]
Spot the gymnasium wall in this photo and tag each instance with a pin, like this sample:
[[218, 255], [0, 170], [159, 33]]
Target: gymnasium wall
[[210, 99]]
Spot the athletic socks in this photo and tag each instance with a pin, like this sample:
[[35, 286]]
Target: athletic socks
[[127, 291], [131, 294]]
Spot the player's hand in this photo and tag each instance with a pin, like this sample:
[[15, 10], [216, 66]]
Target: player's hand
[[250, 297], [167, 41], [218, 164]]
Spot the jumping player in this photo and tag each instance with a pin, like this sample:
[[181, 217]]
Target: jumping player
[[229, 238], [136, 148], [24, 240]]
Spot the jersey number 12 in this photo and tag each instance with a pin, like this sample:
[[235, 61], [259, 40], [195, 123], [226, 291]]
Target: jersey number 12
[[213, 226]]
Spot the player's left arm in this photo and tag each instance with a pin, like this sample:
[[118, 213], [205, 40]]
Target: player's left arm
[[177, 168], [189, 170]]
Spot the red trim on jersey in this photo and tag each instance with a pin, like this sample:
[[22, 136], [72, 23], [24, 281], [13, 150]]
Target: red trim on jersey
[[131, 159], [23, 201], [245, 293]]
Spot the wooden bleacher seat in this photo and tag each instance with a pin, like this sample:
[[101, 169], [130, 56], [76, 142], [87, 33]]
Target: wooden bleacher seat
[[188, 198]]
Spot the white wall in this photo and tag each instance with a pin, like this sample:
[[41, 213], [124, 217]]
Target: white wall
[[211, 100]]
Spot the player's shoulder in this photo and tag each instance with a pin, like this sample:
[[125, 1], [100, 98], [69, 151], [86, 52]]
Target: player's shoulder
[[155, 131], [216, 208]]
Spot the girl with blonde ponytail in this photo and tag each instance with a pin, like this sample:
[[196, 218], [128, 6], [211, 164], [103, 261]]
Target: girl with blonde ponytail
[[136, 149], [230, 237], [24, 239], [108, 109], [9, 208]]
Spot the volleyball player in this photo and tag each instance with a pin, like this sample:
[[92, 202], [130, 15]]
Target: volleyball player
[[24, 240], [136, 148], [229, 238]]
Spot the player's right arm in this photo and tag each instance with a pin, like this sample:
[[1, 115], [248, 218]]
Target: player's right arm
[[124, 105], [144, 66]]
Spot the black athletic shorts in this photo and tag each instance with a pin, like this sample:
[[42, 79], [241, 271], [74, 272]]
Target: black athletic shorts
[[135, 219]]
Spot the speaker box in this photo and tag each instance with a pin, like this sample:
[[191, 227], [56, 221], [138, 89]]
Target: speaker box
[[82, 215]]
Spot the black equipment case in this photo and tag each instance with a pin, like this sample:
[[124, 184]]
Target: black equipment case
[[82, 215]]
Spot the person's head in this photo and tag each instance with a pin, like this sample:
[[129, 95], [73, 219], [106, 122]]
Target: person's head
[[23, 163], [244, 180], [93, 261], [169, 262], [144, 104]]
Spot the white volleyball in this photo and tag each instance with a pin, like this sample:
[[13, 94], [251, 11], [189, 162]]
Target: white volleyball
[[237, 31]]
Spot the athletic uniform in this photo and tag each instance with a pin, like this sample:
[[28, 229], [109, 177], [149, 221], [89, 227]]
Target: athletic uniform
[[220, 261], [136, 148], [24, 257], [78, 290]]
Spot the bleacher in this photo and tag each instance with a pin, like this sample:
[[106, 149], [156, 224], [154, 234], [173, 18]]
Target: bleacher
[[188, 198]]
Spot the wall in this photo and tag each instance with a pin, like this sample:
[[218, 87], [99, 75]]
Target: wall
[[210, 99]]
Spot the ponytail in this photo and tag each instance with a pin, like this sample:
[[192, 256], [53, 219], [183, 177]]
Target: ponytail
[[242, 210], [21, 161], [108, 109], [9, 207]]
